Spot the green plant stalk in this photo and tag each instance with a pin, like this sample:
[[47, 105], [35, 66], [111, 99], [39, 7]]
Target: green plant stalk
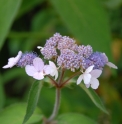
[[56, 106], [57, 97], [59, 86]]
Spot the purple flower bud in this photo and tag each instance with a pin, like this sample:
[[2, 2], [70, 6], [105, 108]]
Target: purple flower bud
[[69, 60], [26, 59], [66, 43], [49, 52], [85, 51], [53, 41], [98, 59]]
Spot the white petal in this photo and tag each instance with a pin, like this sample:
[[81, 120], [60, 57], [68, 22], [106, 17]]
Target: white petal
[[89, 69], [38, 75], [96, 73], [112, 65], [53, 71], [18, 56], [105, 56], [47, 69], [30, 70], [56, 75], [52, 64], [79, 79], [86, 78], [39, 47], [12, 61], [94, 83], [87, 85], [38, 64]]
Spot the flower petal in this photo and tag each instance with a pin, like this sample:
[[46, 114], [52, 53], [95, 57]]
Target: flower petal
[[52, 64], [112, 65], [18, 56], [89, 69], [47, 69], [96, 73], [56, 75], [94, 83], [38, 64], [87, 85], [12, 61], [86, 78], [38, 75], [54, 71], [30, 70], [79, 79]]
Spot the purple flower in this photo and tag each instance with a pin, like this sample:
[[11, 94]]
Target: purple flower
[[26, 59]]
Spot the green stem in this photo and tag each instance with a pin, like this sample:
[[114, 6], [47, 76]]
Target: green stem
[[56, 106]]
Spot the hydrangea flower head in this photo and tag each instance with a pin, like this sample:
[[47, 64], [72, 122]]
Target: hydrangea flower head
[[63, 51], [13, 61]]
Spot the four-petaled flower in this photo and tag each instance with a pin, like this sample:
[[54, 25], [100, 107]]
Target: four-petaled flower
[[13, 61], [38, 70], [90, 77], [86, 76]]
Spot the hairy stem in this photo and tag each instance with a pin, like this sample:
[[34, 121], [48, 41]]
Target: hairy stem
[[56, 106]]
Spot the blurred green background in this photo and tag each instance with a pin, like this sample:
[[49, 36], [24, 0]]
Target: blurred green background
[[26, 24]]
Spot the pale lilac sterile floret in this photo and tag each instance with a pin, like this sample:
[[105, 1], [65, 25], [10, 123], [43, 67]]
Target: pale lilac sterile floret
[[90, 77], [94, 82], [86, 76], [36, 70], [26, 59], [51, 69], [13, 61]]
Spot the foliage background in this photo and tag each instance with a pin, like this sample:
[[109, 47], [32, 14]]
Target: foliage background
[[26, 24]]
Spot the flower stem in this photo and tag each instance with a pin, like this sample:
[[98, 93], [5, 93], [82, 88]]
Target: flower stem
[[56, 106], [77, 73]]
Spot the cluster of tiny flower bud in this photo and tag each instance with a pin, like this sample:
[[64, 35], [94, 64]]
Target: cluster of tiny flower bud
[[26, 59], [69, 55]]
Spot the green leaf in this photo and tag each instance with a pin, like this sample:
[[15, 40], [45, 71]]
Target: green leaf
[[73, 118], [32, 100], [94, 97], [14, 114], [27, 5], [2, 96], [8, 11], [87, 21]]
